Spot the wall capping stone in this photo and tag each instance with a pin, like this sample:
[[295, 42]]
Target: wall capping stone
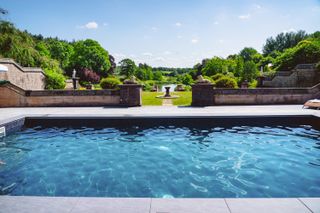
[[22, 69], [207, 95]]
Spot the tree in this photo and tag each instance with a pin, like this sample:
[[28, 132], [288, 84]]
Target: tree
[[89, 54], [127, 67], [187, 79], [248, 53], [214, 66], [283, 41], [61, 51], [144, 72], [157, 76], [113, 65], [307, 51], [250, 71]]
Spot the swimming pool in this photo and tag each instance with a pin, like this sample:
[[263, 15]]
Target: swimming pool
[[205, 158]]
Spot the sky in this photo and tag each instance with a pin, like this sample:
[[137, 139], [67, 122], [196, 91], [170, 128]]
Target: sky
[[171, 33]]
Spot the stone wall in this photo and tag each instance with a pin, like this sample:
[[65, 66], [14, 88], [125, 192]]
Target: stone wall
[[13, 96], [206, 95], [303, 75], [27, 78]]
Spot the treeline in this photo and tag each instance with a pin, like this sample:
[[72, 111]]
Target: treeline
[[55, 56], [282, 52], [59, 57]]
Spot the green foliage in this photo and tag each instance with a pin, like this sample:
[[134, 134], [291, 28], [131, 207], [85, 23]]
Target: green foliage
[[54, 80], [110, 83], [307, 51], [283, 41], [157, 76], [226, 82], [214, 66], [89, 54], [127, 67], [217, 76], [186, 79], [61, 51], [253, 84], [249, 54], [250, 71], [144, 72], [3, 82]]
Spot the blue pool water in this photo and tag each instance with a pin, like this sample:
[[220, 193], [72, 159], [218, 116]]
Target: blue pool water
[[162, 161]]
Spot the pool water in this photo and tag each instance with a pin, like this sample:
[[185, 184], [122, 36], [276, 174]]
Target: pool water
[[162, 161]]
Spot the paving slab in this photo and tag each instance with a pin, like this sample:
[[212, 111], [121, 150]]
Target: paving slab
[[31, 204], [312, 203], [112, 205], [188, 205], [266, 205], [158, 111]]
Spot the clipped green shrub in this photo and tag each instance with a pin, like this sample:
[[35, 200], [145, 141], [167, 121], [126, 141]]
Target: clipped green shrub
[[110, 83], [217, 76], [226, 82], [54, 80]]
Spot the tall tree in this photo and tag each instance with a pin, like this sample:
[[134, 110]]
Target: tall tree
[[127, 67], [89, 54], [283, 41]]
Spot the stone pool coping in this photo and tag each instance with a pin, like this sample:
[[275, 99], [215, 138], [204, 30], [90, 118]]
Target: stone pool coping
[[30, 204], [14, 117]]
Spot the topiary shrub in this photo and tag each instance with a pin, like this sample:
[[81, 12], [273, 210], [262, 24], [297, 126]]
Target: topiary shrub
[[226, 82], [217, 76], [54, 80], [110, 83]]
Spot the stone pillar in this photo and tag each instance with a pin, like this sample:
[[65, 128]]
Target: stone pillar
[[130, 95], [202, 94], [244, 85], [260, 81]]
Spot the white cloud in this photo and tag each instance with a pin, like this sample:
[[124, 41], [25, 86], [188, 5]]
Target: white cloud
[[91, 25], [154, 29], [257, 6], [147, 54], [159, 59], [178, 24], [216, 23], [289, 30], [194, 40], [243, 17]]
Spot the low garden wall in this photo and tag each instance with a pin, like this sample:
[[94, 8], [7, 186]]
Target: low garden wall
[[14, 96], [24, 77], [204, 94]]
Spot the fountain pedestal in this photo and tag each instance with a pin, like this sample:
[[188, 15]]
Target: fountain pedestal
[[167, 94]]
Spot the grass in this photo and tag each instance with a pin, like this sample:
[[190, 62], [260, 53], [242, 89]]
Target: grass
[[149, 99], [183, 100]]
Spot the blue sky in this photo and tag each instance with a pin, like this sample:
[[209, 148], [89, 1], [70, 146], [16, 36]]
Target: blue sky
[[174, 33]]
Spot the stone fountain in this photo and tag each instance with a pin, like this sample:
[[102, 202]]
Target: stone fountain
[[167, 95]]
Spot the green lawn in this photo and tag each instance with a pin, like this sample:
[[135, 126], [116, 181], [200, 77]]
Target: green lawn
[[183, 100], [149, 99]]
